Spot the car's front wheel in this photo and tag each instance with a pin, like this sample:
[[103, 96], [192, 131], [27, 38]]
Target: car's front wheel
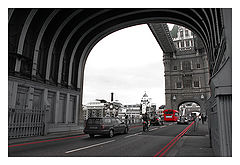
[[111, 133], [91, 135]]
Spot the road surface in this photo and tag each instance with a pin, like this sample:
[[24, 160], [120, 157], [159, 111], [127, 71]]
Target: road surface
[[134, 144]]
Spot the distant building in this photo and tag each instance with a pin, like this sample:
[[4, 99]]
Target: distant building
[[147, 106], [95, 108], [101, 108], [145, 103], [113, 108], [133, 110], [85, 112]]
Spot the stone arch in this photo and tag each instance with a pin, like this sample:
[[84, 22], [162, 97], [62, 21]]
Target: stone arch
[[39, 39], [50, 52], [197, 101], [115, 28], [116, 20]]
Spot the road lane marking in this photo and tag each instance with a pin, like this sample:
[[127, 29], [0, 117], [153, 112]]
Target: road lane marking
[[43, 141], [153, 129], [135, 126], [133, 135], [176, 140], [172, 142], [94, 145]]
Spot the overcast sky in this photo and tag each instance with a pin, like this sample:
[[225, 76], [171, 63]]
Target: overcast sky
[[127, 63]]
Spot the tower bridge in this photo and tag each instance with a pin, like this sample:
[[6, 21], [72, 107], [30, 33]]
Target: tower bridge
[[48, 49], [186, 70]]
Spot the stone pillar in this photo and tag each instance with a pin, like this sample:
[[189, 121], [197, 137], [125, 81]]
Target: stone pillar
[[46, 109], [167, 72], [80, 110], [30, 98], [67, 108], [221, 85], [56, 107], [224, 107], [77, 109], [18, 65], [12, 93]]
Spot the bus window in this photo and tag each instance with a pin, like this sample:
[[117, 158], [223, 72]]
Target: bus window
[[169, 112]]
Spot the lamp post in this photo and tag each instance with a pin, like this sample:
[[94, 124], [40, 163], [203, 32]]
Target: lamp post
[[174, 98]]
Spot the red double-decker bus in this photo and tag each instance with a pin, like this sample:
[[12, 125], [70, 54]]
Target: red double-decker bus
[[170, 115]]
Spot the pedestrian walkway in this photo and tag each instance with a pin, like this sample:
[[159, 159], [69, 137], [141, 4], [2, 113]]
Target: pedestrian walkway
[[195, 143], [46, 137]]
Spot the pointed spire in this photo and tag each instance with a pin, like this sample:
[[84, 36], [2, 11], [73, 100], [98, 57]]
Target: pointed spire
[[145, 94]]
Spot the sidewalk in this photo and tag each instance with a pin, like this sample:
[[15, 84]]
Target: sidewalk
[[195, 143], [46, 137]]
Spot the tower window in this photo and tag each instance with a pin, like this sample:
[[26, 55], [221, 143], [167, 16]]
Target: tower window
[[182, 44], [179, 84], [174, 67], [186, 33], [198, 66], [186, 65], [187, 43], [196, 84], [191, 42], [181, 33], [187, 81]]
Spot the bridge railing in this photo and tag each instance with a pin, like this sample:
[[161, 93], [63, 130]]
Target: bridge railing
[[25, 122]]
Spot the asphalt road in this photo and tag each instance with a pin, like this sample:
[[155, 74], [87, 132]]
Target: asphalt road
[[134, 144]]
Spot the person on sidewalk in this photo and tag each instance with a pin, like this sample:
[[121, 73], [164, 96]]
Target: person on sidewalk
[[203, 118], [126, 119]]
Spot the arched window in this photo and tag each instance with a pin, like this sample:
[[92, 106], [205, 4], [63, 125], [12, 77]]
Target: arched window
[[187, 43], [186, 65], [186, 33], [182, 44], [187, 81], [181, 33]]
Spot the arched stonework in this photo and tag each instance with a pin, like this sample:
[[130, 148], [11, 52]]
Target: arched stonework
[[196, 100]]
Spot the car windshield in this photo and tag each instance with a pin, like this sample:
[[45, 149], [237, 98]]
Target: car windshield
[[94, 121]]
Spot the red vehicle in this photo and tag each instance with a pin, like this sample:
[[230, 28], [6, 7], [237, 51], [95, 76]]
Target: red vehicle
[[170, 115]]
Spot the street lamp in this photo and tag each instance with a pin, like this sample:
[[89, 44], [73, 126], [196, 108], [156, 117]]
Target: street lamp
[[202, 96], [174, 98]]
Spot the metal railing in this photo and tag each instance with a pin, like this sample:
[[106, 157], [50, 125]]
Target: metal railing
[[25, 122]]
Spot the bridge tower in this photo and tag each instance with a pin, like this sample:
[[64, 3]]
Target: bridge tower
[[186, 67]]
